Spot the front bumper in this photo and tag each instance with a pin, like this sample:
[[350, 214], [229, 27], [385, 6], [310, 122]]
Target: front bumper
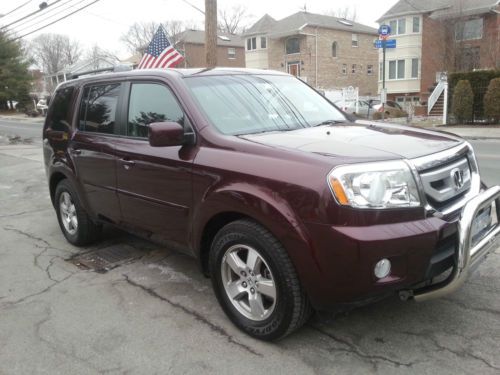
[[420, 251], [468, 254]]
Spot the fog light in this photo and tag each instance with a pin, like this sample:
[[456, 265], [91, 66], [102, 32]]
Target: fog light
[[382, 268]]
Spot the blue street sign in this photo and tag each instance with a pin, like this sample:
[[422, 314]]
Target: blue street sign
[[389, 43], [384, 30]]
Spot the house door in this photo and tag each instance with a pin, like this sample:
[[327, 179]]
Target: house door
[[293, 69]]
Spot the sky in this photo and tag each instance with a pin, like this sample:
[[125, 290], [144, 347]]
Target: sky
[[105, 21]]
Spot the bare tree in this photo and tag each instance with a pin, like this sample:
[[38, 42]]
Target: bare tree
[[173, 29], [140, 34], [348, 13], [230, 19], [96, 55], [53, 52]]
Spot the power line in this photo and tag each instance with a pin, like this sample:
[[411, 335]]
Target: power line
[[194, 6], [53, 22], [16, 8], [29, 15], [39, 21], [43, 14]]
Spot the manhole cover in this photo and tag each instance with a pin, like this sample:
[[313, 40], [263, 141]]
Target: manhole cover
[[107, 258]]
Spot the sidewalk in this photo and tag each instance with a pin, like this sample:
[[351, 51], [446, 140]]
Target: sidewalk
[[22, 117], [470, 132]]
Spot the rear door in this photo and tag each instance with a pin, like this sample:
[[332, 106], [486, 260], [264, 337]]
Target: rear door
[[154, 184], [92, 150]]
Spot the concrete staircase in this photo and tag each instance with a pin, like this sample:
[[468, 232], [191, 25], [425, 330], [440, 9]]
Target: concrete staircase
[[437, 110]]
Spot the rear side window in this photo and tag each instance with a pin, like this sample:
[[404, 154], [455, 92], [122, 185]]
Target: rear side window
[[98, 109], [151, 102], [60, 117]]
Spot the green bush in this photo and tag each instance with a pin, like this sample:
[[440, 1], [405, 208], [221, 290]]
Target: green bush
[[463, 98], [479, 81], [492, 101]]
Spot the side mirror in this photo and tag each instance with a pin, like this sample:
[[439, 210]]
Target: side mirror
[[162, 134]]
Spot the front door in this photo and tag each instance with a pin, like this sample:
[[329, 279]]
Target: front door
[[293, 69], [154, 184]]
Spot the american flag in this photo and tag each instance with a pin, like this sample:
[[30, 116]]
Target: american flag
[[160, 53]]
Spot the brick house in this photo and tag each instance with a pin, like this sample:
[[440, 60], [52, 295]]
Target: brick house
[[327, 52], [230, 49], [434, 37]]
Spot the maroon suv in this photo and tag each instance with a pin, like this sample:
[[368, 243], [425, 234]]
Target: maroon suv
[[287, 204]]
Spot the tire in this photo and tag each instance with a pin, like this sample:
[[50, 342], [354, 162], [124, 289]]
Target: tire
[[74, 221], [247, 297]]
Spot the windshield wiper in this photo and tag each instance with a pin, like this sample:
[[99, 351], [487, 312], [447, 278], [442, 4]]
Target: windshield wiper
[[329, 122]]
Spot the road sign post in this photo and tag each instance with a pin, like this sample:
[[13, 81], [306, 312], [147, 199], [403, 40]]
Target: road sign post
[[384, 31]]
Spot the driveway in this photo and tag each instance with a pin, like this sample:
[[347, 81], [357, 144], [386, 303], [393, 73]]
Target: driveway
[[126, 305]]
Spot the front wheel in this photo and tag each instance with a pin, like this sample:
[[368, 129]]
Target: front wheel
[[255, 281]]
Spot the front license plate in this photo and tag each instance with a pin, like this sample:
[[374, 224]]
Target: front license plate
[[480, 225]]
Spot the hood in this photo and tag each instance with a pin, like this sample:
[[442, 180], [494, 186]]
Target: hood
[[360, 140]]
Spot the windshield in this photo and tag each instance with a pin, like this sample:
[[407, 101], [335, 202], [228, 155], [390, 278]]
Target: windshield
[[245, 104]]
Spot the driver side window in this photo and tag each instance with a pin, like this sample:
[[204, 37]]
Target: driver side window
[[151, 102]]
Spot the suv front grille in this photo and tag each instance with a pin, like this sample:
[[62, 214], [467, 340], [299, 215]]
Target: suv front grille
[[448, 178], [447, 183]]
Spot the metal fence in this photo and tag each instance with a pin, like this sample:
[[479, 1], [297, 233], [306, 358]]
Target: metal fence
[[478, 116]]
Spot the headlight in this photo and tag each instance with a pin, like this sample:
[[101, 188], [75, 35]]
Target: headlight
[[375, 185]]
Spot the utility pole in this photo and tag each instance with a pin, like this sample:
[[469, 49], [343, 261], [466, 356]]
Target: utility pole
[[211, 33], [383, 78]]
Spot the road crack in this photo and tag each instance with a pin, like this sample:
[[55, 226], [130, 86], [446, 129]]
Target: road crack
[[374, 359], [461, 354], [215, 328]]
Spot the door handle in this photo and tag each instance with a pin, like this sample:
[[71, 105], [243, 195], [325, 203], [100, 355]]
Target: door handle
[[76, 151], [127, 164]]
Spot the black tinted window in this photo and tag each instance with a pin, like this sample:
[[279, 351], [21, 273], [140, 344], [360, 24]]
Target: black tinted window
[[60, 118], [98, 109], [150, 103]]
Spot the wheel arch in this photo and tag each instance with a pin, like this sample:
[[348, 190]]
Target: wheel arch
[[262, 207], [55, 179]]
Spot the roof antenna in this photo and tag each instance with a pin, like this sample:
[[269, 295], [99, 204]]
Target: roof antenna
[[304, 8]]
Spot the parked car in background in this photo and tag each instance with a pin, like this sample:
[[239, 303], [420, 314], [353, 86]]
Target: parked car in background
[[285, 203], [41, 106], [391, 108], [363, 110]]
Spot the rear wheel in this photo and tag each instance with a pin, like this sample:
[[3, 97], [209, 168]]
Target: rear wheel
[[255, 281], [76, 225]]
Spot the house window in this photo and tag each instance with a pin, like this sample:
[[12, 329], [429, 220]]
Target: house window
[[398, 26], [369, 70], [401, 69], [394, 26], [263, 42], [292, 45], [344, 69], [469, 30], [354, 42], [231, 53], [468, 59], [392, 69], [397, 69], [416, 24], [402, 26], [353, 69], [414, 68], [334, 49], [251, 44]]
